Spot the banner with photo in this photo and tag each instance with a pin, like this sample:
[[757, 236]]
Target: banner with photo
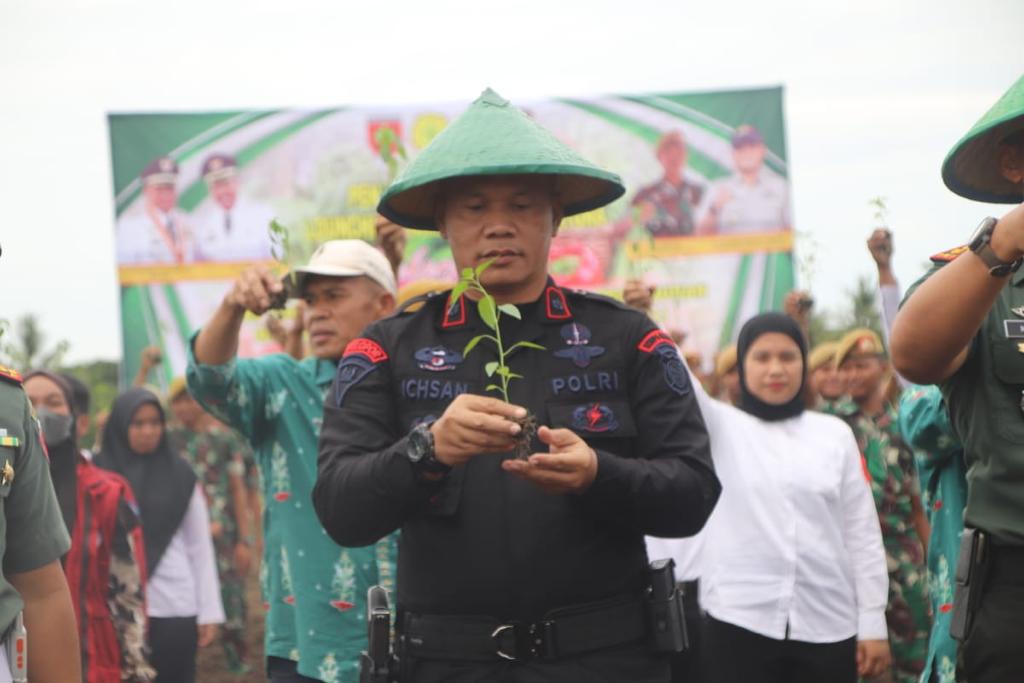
[[706, 217]]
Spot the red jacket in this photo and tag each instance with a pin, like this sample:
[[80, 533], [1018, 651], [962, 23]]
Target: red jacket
[[87, 567]]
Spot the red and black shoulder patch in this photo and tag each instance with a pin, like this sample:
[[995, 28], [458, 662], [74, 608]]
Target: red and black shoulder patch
[[366, 347], [949, 254], [10, 375], [654, 339]]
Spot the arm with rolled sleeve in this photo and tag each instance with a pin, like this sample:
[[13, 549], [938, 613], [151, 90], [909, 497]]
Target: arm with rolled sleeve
[[234, 392], [863, 537], [668, 487], [199, 543]]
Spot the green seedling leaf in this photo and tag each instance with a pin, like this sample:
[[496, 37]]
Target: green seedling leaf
[[527, 345], [459, 289], [503, 370], [488, 311], [474, 341], [491, 367], [483, 266], [467, 273], [513, 375], [492, 387], [510, 309]]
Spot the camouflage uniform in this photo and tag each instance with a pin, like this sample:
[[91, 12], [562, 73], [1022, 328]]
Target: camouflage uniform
[[215, 455], [889, 466]]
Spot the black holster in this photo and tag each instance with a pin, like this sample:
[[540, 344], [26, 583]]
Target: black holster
[[377, 663], [972, 567], [666, 623]]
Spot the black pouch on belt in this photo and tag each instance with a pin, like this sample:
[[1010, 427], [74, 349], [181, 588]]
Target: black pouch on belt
[[970, 577], [667, 626]]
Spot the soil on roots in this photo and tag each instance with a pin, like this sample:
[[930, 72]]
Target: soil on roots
[[525, 437]]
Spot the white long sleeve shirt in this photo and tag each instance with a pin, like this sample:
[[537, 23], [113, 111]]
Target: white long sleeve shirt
[[185, 583], [794, 541]]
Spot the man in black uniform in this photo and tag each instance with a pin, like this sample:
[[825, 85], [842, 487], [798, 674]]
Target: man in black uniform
[[513, 570]]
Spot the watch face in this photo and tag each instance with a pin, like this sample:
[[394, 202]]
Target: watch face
[[982, 233], [418, 445]]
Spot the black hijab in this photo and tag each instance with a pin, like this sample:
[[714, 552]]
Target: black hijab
[[162, 481], [754, 328], [63, 456]]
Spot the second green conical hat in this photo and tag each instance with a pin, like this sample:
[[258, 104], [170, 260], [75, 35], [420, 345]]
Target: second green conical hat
[[494, 138], [971, 168]]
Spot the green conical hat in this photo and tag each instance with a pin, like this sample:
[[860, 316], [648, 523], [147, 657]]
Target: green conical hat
[[494, 138], [971, 169]]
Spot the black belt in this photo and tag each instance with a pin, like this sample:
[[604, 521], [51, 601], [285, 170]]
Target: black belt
[[562, 633]]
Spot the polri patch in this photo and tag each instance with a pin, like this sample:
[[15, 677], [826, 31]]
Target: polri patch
[[580, 351], [676, 377], [595, 418], [437, 358]]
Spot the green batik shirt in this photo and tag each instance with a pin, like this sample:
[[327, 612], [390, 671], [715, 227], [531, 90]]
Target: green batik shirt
[[984, 401], [314, 590], [889, 464], [924, 423]]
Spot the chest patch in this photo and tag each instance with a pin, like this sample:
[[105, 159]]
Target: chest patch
[[578, 347], [1014, 329], [585, 382], [437, 358], [594, 418]]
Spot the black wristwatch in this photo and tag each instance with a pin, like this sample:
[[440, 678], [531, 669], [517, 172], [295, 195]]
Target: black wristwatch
[[420, 451], [981, 245]]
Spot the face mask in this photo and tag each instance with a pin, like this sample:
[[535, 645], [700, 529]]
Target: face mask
[[56, 427]]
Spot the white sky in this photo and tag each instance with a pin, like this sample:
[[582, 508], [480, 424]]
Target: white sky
[[876, 95]]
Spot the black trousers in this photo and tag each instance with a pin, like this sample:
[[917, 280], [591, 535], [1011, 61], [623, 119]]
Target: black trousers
[[628, 664], [735, 655], [993, 651], [281, 670], [173, 642]]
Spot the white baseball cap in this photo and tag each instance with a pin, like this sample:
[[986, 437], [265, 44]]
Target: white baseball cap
[[346, 258]]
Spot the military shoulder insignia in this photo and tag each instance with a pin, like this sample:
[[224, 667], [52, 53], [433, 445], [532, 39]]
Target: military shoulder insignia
[[361, 357], [653, 339], [10, 375], [949, 254]]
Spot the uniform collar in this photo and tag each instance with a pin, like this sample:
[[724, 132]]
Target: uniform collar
[[323, 370], [553, 305]]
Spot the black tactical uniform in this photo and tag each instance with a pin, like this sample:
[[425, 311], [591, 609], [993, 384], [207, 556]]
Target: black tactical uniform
[[482, 543]]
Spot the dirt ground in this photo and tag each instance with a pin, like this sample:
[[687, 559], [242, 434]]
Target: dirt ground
[[212, 667]]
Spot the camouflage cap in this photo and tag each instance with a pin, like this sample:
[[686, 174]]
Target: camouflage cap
[[821, 354], [725, 361], [859, 343], [494, 138]]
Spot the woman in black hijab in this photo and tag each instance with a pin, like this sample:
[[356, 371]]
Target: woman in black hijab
[[793, 576], [105, 577], [183, 599]]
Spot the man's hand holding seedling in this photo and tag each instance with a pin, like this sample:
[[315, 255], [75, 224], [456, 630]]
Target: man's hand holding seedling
[[569, 466], [255, 290], [474, 425]]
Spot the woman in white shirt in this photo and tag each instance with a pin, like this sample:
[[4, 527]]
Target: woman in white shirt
[[183, 593], [793, 573]]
